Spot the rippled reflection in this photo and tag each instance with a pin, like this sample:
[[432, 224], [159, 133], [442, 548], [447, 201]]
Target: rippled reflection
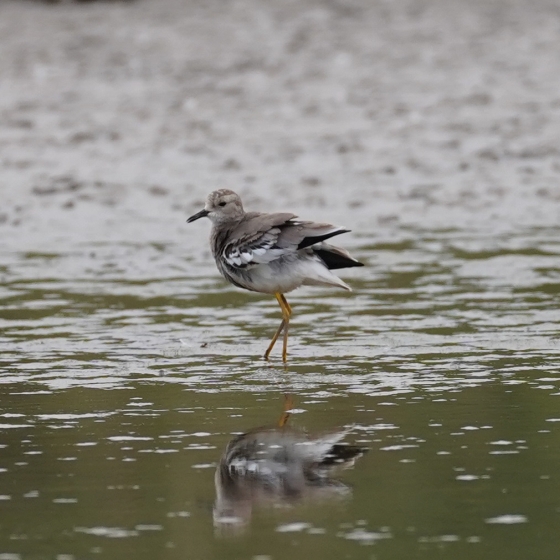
[[279, 466]]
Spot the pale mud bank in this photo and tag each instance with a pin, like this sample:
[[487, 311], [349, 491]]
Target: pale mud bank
[[117, 118]]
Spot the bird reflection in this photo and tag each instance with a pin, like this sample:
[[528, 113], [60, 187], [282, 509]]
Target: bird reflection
[[279, 466]]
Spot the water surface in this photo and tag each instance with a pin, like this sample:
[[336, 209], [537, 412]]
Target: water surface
[[127, 364], [120, 395]]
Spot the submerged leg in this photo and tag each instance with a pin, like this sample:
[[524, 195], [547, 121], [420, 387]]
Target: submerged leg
[[288, 405], [286, 313]]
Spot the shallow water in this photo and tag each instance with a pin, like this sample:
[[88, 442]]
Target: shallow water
[[127, 364], [120, 395]]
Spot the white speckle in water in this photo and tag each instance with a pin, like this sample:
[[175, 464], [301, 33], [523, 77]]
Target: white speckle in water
[[510, 519], [292, 527]]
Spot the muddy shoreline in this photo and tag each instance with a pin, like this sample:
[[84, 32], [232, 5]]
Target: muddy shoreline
[[378, 115]]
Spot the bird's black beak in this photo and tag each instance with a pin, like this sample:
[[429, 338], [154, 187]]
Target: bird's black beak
[[200, 214]]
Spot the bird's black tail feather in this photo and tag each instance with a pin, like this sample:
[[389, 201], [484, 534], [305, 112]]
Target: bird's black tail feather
[[341, 453], [335, 258]]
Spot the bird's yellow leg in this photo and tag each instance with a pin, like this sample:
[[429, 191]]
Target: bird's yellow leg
[[287, 320], [286, 304], [288, 405], [285, 317], [274, 339], [285, 343]]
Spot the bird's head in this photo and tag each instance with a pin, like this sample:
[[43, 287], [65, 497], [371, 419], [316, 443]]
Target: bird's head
[[221, 206]]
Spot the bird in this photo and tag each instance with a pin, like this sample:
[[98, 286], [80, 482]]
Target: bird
[[272, 253], [275, 465]]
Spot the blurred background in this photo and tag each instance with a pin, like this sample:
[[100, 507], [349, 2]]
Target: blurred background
[[428, 127], [410, 111]]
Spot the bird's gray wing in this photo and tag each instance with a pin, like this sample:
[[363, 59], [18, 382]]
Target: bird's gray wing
[[254, 240], [263, 238], [299, 235]]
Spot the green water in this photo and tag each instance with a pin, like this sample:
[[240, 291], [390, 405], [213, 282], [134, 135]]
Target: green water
[[428, 127], [119, 397]]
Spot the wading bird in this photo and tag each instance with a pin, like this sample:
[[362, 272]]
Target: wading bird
[[272, 253]]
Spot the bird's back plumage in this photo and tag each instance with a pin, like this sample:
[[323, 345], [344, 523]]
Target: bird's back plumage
[[272, 253], [278, 253]]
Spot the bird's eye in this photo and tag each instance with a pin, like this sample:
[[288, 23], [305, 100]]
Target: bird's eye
[[222, 204]]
